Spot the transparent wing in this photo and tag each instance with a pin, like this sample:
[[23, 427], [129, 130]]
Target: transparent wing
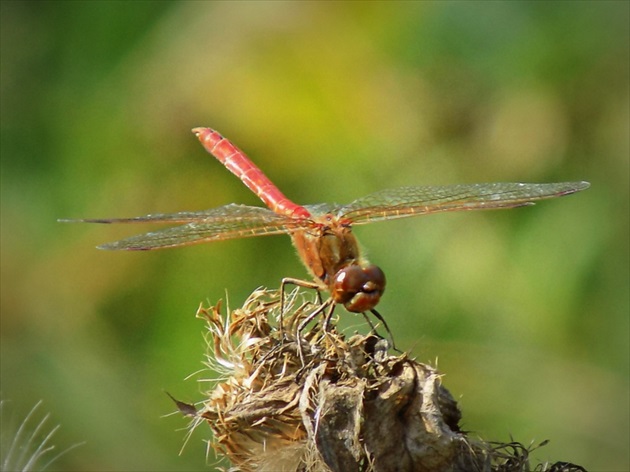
[[409, 201], [218, 224], [232, 211]]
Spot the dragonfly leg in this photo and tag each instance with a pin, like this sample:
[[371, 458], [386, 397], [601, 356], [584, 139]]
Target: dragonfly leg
[[298, 283], [316, 312], [382, 320], [328, 317], [310, 318]]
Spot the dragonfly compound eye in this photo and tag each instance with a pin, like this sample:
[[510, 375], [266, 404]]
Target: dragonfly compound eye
[[358, 288]]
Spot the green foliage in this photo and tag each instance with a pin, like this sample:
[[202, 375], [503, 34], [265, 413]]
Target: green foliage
[[526, 309]]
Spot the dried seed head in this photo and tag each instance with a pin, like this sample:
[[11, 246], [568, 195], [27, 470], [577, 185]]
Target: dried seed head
[[316, 401]]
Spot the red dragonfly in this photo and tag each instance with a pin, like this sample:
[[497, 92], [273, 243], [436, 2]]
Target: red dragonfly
[[322, 234]]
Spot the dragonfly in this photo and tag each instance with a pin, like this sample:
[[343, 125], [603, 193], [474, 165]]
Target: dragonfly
[[322, 233]]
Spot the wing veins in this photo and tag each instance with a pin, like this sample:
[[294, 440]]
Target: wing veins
[[410, 201], [197, 233], [231, 211]]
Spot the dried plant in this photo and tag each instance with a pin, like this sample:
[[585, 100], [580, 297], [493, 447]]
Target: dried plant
[[318, 401], [25, 446]]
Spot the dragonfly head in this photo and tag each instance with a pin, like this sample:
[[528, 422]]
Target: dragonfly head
[[358, 288]]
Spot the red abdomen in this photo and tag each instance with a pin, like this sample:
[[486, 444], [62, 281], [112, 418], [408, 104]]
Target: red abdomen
[[240, 165]]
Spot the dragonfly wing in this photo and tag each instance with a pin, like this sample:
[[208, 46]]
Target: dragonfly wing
[[232, 211], [227, 222], [194, 233], [409, 201]]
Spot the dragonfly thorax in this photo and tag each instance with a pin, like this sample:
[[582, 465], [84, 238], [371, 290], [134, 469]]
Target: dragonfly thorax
[[331, 254]]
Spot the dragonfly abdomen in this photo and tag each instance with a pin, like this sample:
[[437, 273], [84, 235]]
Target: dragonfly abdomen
[[250, 174]]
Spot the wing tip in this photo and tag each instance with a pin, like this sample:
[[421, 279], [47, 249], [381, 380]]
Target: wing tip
[[573, 187], [118, 247], [107, 247], [86, 220]]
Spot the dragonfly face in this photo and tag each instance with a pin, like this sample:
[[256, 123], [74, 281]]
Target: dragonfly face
[[358, 288]]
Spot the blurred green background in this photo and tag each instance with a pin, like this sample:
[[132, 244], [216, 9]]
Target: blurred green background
[[526, 311]]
